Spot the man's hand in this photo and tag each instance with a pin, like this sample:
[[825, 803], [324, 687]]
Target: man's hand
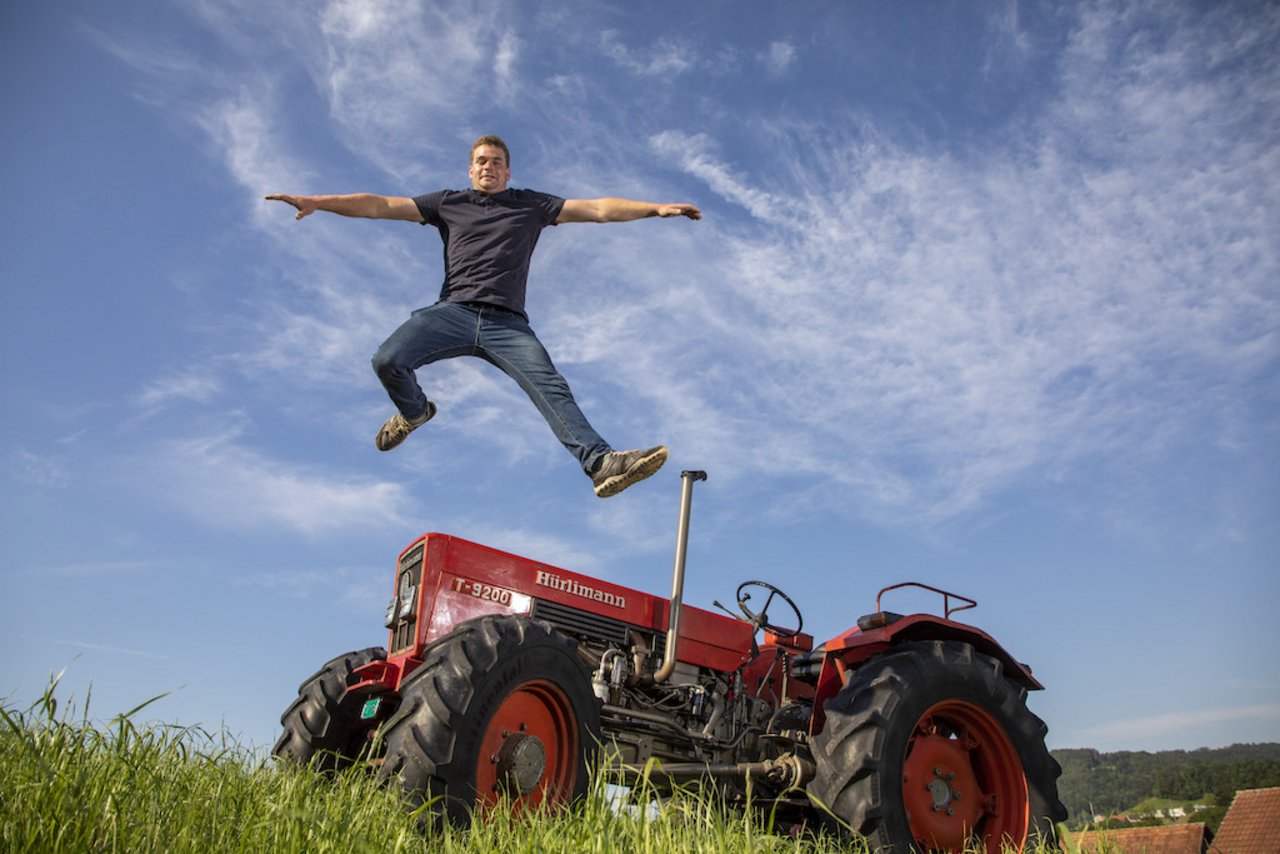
[[366, 205], [609, 209], [679, 210], [306, 205]]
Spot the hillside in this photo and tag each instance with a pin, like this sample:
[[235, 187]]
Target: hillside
[[1095, 783]]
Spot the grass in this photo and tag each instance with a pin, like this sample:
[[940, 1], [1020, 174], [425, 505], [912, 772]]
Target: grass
[[68, 785]]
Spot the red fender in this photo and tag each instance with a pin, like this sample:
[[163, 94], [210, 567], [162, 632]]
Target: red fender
[[845, 653]]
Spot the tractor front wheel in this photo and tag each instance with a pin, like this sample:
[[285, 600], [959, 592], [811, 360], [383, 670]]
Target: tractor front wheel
[[500, 709], [322, 726], [930, 748]]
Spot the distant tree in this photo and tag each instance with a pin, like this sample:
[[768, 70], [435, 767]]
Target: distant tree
[[1110, 783], [1212, 817]]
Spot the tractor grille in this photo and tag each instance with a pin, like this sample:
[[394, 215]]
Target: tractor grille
[[575, 621], [408, 592]]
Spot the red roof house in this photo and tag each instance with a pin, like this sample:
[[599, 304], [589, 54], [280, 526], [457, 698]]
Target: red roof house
[[1252, 824], [1168, 839]]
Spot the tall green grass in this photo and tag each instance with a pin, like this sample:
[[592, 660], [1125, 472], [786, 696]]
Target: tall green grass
[[69, 785]]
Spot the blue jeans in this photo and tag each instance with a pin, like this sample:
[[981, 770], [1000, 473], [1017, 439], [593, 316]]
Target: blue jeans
[[446, 330]]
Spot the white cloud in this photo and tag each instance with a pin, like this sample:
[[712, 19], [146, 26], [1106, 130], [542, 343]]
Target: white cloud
[[362, 590], [224, 484], [1008, 42], [92, 647], [189, 386], [505, 65], [243, 127], [39, 469], [397, 76], [695, 154], [166, 72], [910, 332], [114, 650], [665, 57], [779, 58], [92, 568], [924, 331], [1177, 726]]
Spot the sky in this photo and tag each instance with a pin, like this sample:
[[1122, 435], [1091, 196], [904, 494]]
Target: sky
[[985, 296]]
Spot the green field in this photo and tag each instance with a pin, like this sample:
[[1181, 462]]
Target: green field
[[69, 785]]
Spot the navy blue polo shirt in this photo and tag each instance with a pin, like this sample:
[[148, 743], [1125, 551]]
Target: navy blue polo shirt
[[488, 241]]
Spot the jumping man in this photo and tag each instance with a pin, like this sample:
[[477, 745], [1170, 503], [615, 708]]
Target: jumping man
[[489, 234]]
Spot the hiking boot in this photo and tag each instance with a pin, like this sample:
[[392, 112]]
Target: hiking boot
[[620, 469], [398, 428]]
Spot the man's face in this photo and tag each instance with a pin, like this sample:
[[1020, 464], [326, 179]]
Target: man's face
[[489, 172]]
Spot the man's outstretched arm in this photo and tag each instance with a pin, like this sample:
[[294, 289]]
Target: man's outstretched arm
[[367, 205], [621, 210]]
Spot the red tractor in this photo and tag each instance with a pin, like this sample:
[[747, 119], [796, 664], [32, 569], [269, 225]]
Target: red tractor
[[507, 680]]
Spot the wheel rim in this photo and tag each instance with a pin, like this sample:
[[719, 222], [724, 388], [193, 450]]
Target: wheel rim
[[529, 752], [962, 779]]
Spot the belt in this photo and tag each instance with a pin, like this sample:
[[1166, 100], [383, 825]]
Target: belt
[[494, 307]]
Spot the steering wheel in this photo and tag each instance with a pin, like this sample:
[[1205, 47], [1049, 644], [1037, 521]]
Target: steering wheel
[[760, 619]]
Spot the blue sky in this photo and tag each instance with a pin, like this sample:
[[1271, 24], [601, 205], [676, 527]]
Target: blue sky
[[984, 296]]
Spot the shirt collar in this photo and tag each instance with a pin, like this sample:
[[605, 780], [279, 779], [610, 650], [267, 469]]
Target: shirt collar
[[480, 198]]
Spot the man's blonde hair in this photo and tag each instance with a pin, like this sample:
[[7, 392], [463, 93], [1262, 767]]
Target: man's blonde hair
[[496, 142]]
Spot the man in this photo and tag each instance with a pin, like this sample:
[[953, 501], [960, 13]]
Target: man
[[489, 235]]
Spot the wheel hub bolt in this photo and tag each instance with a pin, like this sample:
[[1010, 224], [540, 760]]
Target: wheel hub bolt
[[940, 790], [522, 761]]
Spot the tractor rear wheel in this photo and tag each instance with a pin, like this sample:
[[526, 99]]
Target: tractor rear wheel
[[930, 748], [500, 708], [322, 727]]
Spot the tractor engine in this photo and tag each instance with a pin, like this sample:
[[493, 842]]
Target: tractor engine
[[698, 722], [696, 716]]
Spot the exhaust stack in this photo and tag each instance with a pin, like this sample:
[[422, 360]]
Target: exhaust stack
[[688, 478]]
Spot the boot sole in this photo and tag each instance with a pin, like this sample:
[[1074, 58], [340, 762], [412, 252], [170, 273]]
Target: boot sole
[[389, 444], [644, 467]]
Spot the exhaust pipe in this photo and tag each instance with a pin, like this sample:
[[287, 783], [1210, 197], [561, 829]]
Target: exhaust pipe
[[788, 771], [688, 478]]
